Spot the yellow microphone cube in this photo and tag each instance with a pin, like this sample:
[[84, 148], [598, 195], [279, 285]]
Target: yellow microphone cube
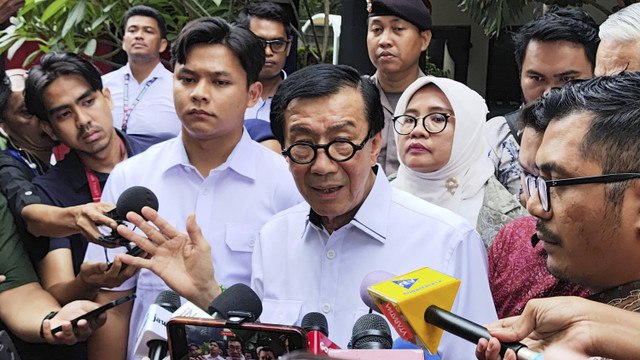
[[404, 299]]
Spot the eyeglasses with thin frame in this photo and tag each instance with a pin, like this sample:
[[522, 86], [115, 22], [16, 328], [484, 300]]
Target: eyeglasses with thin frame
[[337, 150], [277, 45], [542, 185], [433, 123]]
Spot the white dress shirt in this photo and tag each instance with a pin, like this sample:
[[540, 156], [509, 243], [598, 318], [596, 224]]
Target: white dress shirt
[[231, 205], [155, 113], [298, 267]]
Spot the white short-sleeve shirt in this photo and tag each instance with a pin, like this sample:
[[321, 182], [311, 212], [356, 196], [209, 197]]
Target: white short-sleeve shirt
[[298, 267], [231, 205], [155, 112]]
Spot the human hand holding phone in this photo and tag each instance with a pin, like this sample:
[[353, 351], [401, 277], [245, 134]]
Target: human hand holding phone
[[94, 314]]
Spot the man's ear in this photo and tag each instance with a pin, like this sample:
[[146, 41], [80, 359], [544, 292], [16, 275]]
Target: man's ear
[[163, 45], [426, 39], [45, 126], [107, 95], [255, 91], [634, 193], [376, 146]]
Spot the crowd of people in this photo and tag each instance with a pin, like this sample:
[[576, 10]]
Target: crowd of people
[[301, 184]]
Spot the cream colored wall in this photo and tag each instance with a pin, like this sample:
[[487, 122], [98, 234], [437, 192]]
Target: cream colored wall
[[445, 12]]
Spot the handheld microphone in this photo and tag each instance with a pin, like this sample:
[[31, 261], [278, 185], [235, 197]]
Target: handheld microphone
[[152, 336], [371, 331], [472, 332], [237, 302], [315, 324], [403, 300], [132, 199]]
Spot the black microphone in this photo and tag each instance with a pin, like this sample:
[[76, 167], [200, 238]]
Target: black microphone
[[315, 321], [152, 338], [317, 328], [132, 199], [472, 332], [237, 301], [371, 331]]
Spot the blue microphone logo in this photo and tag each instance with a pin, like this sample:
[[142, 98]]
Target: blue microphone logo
[[406, 283]]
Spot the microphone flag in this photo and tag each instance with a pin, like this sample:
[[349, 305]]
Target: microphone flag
[[403, 300]]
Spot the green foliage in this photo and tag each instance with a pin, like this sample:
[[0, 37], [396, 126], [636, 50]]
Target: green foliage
[[490, 14], [433, 69], [80, 25]]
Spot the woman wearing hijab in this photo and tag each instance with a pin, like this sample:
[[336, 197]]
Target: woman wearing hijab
[[439, 125]]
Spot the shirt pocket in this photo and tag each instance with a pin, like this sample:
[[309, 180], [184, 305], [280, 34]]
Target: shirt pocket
[[241, 237], [286, 312]]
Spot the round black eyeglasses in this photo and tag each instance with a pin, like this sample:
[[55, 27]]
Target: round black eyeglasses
[[337, 150]]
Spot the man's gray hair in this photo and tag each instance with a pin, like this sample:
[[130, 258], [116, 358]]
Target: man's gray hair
[[623, 25]]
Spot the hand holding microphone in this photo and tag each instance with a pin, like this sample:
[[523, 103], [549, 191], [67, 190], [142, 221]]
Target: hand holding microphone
[[415, 305], [133, 199]]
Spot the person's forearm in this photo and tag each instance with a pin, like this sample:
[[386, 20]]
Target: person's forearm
[[47, 220], [76, 289], [202, 299], [23, 309]]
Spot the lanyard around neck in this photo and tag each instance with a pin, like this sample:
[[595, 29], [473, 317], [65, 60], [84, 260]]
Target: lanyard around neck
[[92, 178], [128, 110]]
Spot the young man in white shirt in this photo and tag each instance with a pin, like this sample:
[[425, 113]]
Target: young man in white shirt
[[212, 170], [141, 90]]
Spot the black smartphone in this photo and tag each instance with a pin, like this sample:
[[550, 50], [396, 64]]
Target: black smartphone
[[94, 313], [193, 337], [135, 251]]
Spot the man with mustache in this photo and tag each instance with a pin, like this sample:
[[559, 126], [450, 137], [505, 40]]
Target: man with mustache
[[398, 31], [141, 90], [586, 198], [517, 263], [66, 93], [28, 155]]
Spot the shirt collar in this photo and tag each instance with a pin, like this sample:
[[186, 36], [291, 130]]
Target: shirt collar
[[242, 159], [156, 72], [373, 215]]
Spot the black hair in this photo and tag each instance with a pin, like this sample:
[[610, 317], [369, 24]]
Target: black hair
[[53, 66], [562, 24], [266, 11], [235, 339], [5, 93], [210, 30], [528, 117], [612, 105], [323, 80], [266, 348], [146, 11]]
